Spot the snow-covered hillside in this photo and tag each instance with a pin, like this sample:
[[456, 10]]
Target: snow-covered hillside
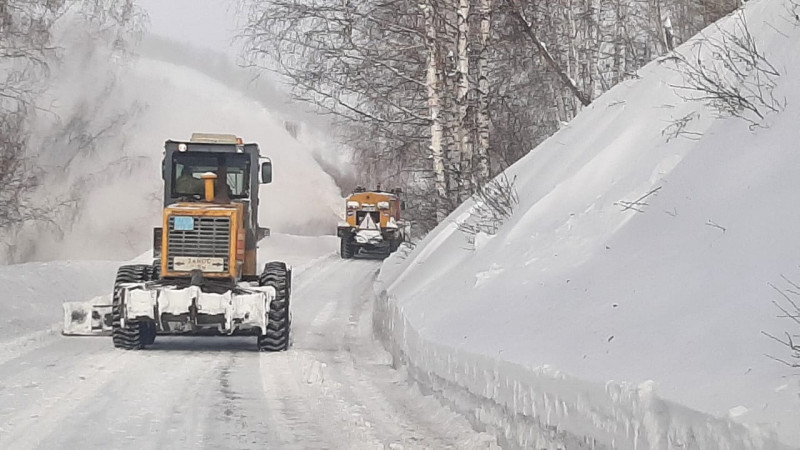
[[672, 293]]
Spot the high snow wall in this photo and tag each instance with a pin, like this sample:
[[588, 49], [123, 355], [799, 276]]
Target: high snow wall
[[635, 273]]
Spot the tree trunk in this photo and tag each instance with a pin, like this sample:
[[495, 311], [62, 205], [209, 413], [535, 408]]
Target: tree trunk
[[434, 86], [482, 171], [464, 134], [448, 38], [548, 57], [619, 42], [669, 35]]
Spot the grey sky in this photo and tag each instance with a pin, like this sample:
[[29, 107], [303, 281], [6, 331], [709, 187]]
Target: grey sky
[[214, 24], [207, 23]]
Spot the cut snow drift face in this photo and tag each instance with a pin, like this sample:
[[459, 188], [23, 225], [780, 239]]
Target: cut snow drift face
[[632, 256]]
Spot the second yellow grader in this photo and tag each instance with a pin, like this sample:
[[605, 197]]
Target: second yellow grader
[[373, 223]]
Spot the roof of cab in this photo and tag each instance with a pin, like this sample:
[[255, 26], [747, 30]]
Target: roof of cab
[[215, 138]]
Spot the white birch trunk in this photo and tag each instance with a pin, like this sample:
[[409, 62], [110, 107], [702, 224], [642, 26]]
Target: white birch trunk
[[448, 38], [482, 170], [433, 85], [574, 42], [464, 134], [619, 42], [451, 142]]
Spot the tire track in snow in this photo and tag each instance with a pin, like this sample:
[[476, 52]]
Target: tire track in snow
[[347, 377], [41, 392], [299, 395], [334, 388], [166, 397], [400, 414]]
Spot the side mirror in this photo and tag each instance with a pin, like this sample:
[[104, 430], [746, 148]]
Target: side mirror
[[266, 172], [402, 205]]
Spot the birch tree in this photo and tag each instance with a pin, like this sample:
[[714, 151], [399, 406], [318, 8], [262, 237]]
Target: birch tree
[[465, 129], [482, 170], [438, 96], [434, 86]]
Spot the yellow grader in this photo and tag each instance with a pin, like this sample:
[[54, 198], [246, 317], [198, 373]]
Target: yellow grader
[[373, 223], [204, 279]]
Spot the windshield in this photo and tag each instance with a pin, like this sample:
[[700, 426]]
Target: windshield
[[187, 170]]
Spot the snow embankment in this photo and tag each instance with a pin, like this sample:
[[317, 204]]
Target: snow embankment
[[633, 276], [32, 295], [543, 408]]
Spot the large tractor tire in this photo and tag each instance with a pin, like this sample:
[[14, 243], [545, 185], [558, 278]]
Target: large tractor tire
[[150, 327], [134, 335], [347, 248], [279, 320]]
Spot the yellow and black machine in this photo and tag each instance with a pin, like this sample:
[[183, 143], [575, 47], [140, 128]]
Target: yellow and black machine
[[204, 279], [373, 223]]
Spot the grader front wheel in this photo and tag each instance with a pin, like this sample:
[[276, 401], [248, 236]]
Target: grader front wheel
[[133, 335], [279, 321], [347, 248]]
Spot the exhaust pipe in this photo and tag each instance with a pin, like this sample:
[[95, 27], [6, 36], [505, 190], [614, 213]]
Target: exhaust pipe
[[209, 178]]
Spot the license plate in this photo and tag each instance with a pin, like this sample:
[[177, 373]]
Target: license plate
[[183, 223], [189, 263]]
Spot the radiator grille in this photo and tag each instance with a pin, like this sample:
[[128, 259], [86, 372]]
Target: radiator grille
[[210, 238]]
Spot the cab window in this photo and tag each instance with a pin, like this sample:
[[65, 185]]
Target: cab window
[[188, 169]]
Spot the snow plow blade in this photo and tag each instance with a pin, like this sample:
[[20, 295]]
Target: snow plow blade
[[92, 318]]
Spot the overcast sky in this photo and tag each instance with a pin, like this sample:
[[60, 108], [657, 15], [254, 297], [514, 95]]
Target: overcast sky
[[212, 24], [207, 23]]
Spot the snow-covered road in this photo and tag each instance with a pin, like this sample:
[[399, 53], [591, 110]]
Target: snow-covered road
[[335, 387]]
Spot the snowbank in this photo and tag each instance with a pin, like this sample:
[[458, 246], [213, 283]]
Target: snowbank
[[32, 293], [671, 298], [543, 408]]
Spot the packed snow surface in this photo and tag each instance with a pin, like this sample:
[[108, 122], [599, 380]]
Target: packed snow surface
[[668, 297], [334, 388]]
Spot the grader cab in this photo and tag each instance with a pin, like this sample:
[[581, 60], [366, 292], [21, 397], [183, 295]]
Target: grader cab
[[204, 279], [373, 223]]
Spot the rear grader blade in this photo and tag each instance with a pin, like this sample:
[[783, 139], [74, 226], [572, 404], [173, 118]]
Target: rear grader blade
[[92, 318]]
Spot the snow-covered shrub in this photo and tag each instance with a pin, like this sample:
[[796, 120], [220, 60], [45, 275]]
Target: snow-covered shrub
[[789, 306], [494, 203], [726, 70]]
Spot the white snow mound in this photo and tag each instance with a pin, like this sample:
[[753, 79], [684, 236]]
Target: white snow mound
[[674, 290]]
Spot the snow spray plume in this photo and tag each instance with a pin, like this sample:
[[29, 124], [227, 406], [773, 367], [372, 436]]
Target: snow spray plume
[[99, 143]]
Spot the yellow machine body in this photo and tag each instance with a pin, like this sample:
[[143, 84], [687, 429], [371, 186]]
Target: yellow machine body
[[387, 204], [242, 262]]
